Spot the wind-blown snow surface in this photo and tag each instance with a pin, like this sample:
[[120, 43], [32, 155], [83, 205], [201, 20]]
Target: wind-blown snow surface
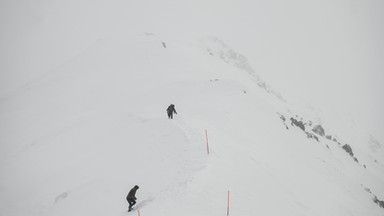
[[76, 140]]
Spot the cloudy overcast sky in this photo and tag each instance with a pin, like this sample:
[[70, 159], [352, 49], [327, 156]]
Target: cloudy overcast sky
[[327, 53]]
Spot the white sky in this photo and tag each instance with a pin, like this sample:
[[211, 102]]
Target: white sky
[[329, 53]]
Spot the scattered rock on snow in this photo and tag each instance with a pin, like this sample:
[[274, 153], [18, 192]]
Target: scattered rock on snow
[[318, 129], [300, 124], [375, 199], [312, 136], [348, 149], [378, 202]]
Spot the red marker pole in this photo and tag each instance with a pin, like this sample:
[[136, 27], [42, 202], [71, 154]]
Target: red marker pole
[[206, 139], [228, 205]]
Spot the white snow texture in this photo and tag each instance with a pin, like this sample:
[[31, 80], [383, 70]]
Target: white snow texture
[[85, 87]]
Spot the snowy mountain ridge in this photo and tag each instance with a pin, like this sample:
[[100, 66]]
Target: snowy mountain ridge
[[78, 139], [228, 55]]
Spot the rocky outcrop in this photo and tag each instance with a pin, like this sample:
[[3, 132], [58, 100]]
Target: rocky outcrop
[[378, 202], [312, 136], [318, 129], [314, 132], [297, 123], [348, 149], [375, 199]]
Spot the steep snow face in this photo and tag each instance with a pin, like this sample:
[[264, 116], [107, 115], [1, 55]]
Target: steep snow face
[[215, 46], [76, 140]]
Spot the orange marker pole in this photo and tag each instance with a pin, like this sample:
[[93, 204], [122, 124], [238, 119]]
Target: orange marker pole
[[138, 212], [206, 139], [228, 205]]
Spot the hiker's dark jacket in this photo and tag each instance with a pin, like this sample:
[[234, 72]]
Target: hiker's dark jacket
[[132, 193]]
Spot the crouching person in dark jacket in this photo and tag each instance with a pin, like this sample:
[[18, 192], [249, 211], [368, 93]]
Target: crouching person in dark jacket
[[131, 197]]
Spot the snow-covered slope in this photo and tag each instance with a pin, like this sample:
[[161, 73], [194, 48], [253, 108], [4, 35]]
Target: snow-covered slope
[[84, 86], [74, 141]]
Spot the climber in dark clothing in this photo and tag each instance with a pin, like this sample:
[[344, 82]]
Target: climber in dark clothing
[[170, 110], [131, 197]]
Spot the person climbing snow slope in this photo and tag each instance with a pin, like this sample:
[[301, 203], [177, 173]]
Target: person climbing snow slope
[[170, 110], [131, 197]]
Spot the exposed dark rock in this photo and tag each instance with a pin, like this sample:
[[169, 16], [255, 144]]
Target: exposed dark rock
[[378, 202], [312, 136], [375, 199], [328, 137], [283, 118], [355, 159], [295, 122], [348, 149], [318, 129]]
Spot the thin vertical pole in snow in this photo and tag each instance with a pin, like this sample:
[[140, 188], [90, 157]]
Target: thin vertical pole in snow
[[138, 212], [228, 205], [206, 139]]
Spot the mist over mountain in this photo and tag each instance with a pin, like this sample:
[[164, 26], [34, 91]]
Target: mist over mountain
[[279, 104]]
